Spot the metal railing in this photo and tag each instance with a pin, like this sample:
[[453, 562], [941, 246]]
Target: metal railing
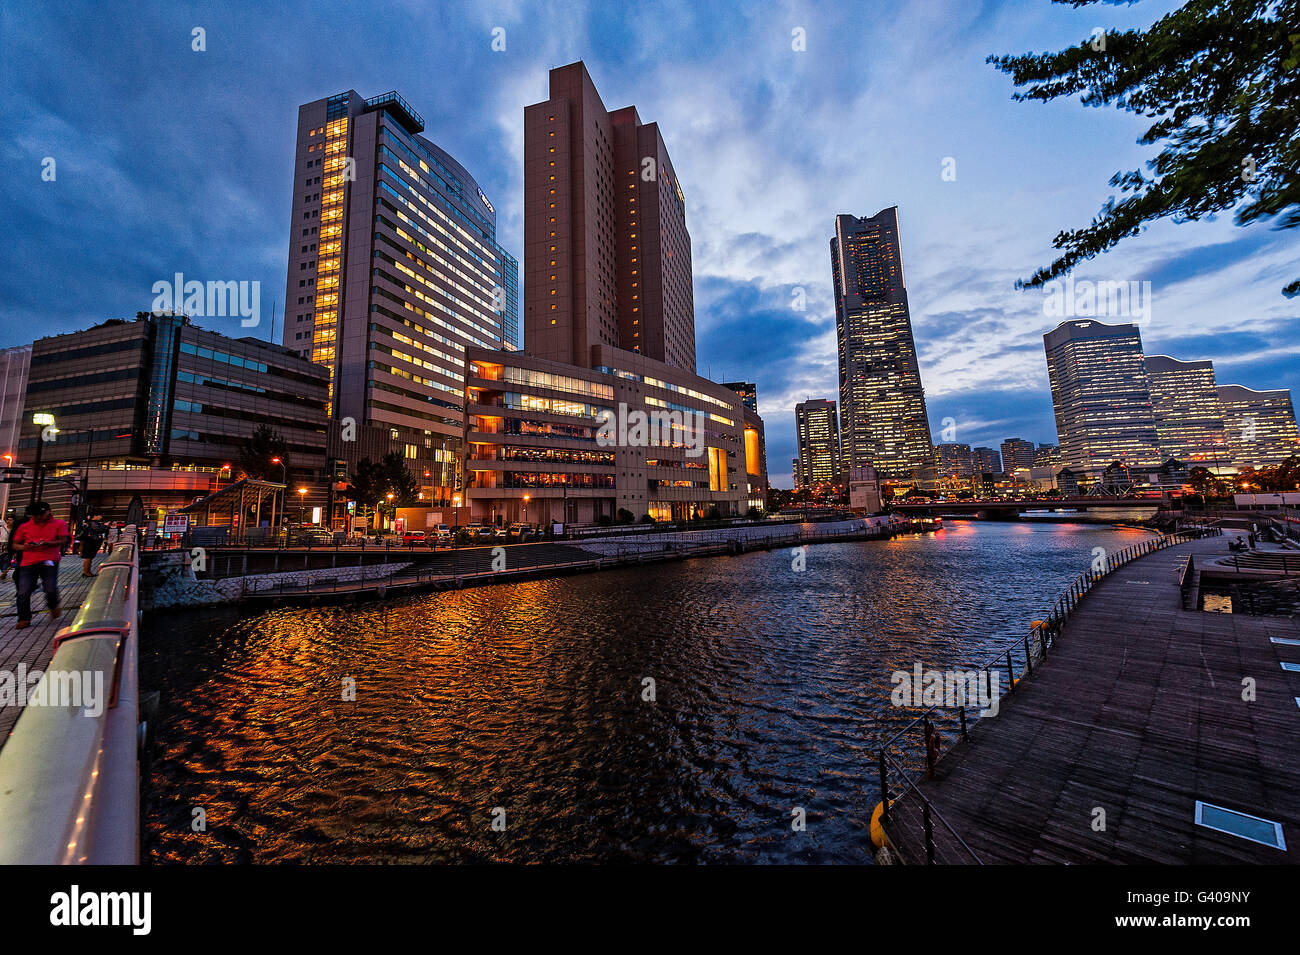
[[69, 772], [473, 563], [1017, 660]]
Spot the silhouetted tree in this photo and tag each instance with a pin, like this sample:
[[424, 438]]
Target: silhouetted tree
[[1220, 80], [257, 450]]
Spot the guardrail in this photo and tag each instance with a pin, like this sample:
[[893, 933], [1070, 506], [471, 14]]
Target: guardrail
[[69, 772], [934, 721], [319, 582]]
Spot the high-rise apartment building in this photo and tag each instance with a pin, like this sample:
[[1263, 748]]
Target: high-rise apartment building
[[607, 257], [394, 271], [1189, 419], [954, 462], [1260, 426], [818, 439], [1047, 456], [987, 461], [883, 419], [609, 334], [1017, 453], [1101, 396]]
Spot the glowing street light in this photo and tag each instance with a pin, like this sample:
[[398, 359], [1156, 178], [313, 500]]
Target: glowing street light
[[302, 505]]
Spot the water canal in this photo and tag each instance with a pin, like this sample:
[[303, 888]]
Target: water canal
[[771, 692]]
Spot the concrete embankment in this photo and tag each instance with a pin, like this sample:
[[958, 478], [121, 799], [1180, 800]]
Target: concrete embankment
[[171, 581]]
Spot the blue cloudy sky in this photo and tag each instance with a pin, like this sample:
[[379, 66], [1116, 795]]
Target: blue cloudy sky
[[173, 160]]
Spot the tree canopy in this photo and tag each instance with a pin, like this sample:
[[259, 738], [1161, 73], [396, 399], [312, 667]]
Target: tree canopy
[[257, 450], [1219, 79]]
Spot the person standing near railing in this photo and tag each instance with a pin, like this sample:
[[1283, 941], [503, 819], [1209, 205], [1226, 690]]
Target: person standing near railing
[[39, 543]]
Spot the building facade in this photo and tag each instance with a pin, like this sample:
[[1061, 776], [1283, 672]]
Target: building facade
[[14, 365], [1017, 453], [1101, 396], [1259, 426], [1189, 418], [954, 462], [818, 437], [155, 411], [986, 460], [550, 442], [394, 271], [607, 257], [883, 419]]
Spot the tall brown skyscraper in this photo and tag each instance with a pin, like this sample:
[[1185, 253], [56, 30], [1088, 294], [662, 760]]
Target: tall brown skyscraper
[[882, 404], [607, 258]]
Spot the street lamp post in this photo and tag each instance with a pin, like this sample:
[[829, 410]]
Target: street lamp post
[[389, 495], [284, 479], [45, 422], [527, 498], [302, 505]]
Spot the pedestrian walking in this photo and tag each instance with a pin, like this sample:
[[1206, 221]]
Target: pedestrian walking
[[39, 543], [90, 538]]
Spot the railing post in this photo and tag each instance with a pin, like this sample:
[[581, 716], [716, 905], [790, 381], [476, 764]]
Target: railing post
[[1029, 663], [929, 833], [884, 787], [929, 748], [1011, 673], [962, 711]]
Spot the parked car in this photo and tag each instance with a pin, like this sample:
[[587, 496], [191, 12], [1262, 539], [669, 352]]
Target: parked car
[[520, 531], [442, 534], [474, 530], [313, 538], [413, 537], [500, 532]]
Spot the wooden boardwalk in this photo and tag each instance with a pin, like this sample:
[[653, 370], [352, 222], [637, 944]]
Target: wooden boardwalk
[[1138, 712], [34, 645]]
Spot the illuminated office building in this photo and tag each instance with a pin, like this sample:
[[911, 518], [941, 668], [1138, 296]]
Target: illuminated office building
[[1101, 396], [818, 437], [1189, 418], [1260, 426], [883, 420], [394, 271]]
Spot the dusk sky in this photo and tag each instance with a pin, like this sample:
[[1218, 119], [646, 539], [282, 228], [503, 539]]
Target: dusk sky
[[171, 160]]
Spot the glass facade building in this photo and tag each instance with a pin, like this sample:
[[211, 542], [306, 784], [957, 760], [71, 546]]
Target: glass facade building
[[1101, 397], [883, 420], [817, 432], [394, 270], [1189, 418]]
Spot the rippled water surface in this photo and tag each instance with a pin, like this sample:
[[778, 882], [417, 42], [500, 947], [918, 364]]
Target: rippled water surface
[[772, 688]]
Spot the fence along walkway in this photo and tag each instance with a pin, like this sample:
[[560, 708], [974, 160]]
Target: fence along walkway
[[1138, 713]]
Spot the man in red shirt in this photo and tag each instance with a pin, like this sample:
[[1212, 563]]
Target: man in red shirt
[[39, 544]]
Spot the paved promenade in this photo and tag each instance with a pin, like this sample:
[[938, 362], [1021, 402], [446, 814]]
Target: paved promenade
[[1138, 712], [33, 646]]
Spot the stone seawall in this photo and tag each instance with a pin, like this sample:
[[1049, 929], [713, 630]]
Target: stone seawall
[[172, 583]]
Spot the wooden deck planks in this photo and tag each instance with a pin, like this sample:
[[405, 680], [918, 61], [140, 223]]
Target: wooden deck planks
[[1138, 711]]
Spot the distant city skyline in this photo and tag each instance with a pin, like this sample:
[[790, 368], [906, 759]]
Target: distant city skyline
[[207, 191]]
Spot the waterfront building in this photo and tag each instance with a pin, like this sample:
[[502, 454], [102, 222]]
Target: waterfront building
[[1101, 396], [818, 438], [609, 336], [394, 270], [864, 490], [537, 454], [986, 461], [153, 411], [1188, 414], [1017, 453], [607, 256], [1260, 426], [883, 419]]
